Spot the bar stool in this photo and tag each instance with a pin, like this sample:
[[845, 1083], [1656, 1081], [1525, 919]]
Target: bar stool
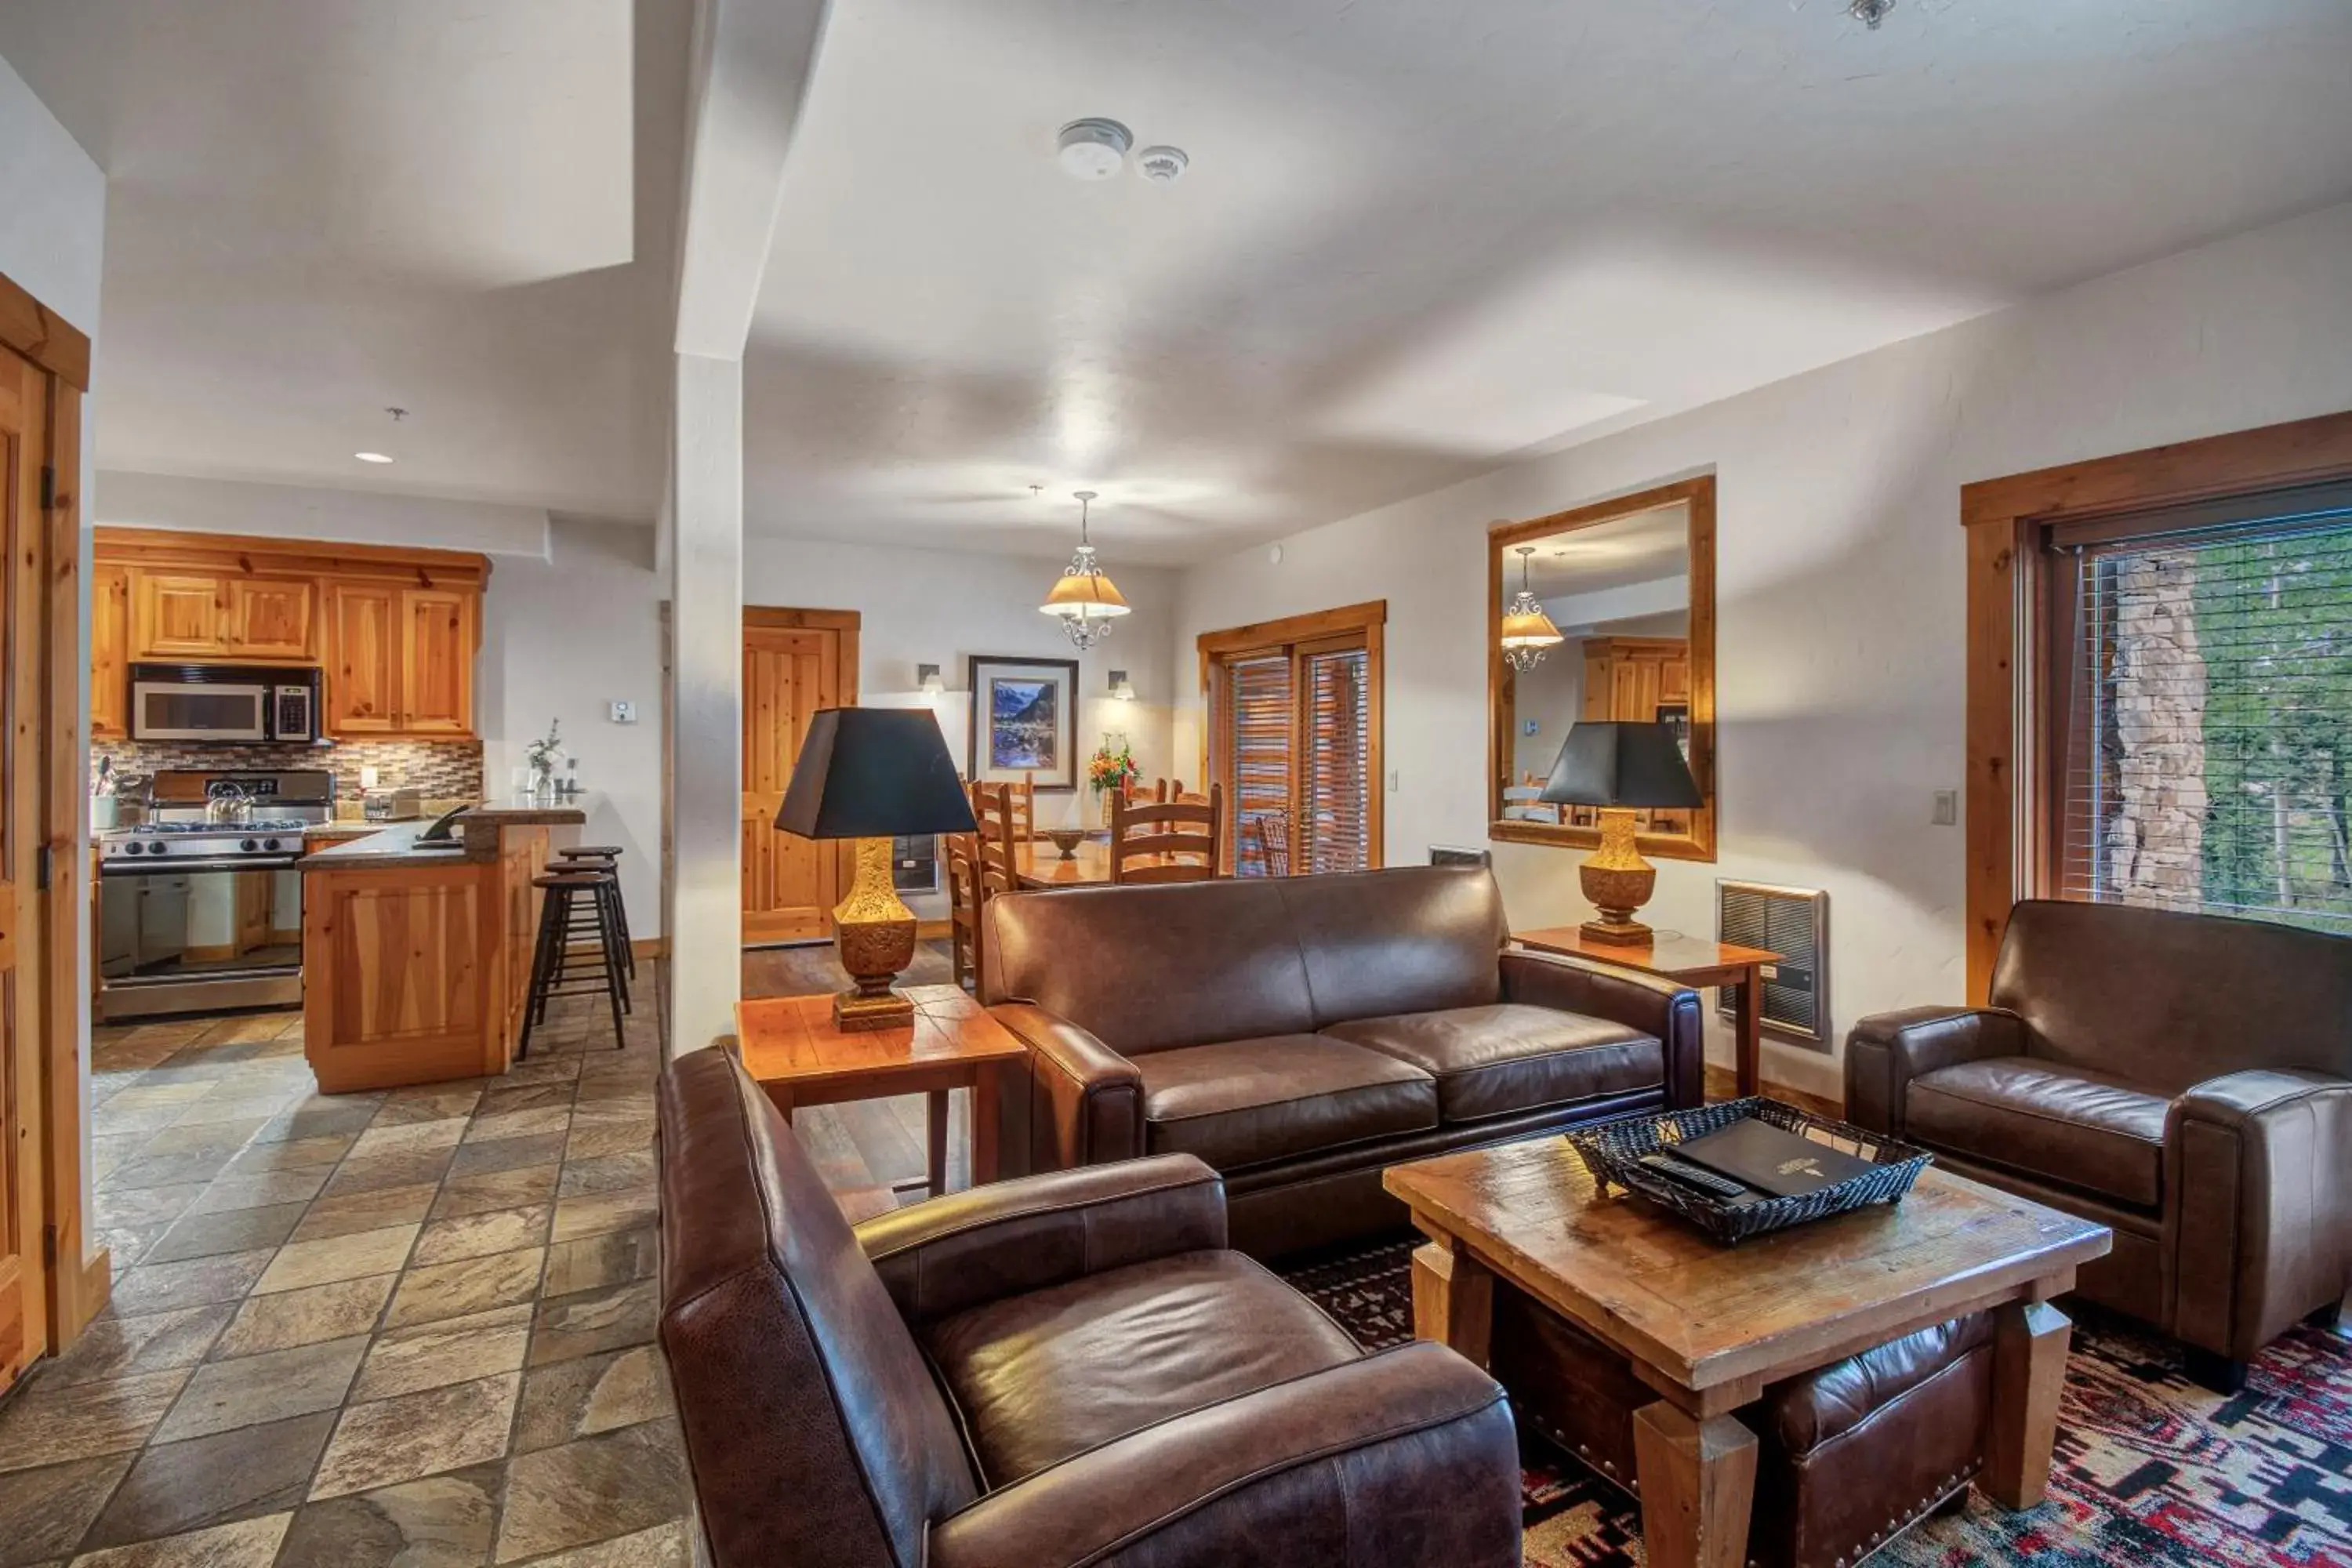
[[568, 895], [604, 858]]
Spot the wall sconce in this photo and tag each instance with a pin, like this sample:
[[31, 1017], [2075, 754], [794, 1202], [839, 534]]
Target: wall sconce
[[1121, 686], [927, 677]]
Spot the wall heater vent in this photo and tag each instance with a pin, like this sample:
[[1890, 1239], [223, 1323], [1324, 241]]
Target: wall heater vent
[[1795, 924]]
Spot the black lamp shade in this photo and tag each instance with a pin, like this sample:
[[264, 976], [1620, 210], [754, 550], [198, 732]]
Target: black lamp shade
[[1609, 763], [874, 772]]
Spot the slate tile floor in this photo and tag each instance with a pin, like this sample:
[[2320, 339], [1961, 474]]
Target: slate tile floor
[[409, 1328]]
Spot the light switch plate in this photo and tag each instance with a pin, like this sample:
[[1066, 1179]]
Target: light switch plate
[[1947, 809], [625, 713]]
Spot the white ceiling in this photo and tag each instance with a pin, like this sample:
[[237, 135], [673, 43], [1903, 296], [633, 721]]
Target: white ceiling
[[1644, 547], [317, 209], [1416, 237]]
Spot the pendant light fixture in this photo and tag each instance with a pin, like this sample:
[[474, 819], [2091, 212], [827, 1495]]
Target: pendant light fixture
[[1086, 601], [1527, 632]]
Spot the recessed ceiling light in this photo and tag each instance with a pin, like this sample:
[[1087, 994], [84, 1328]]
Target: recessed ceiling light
[[372, 456]]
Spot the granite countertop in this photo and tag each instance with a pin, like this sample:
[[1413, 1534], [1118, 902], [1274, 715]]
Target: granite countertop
[[394, 844]]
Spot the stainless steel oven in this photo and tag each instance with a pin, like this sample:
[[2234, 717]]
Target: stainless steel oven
[[200, 907], [223, 702]]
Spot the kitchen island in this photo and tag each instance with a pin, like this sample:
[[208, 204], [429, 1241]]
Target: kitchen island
[[416, 953]]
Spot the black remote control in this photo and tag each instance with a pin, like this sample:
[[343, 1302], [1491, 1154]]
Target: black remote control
[[1692, 1175]]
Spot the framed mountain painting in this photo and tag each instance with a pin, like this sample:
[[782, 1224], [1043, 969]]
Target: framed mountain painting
[[1024, 720]]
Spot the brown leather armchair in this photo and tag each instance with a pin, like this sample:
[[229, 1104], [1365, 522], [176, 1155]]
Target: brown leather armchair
[[2183, 1079], [1054, 1371], [1299, 1033]]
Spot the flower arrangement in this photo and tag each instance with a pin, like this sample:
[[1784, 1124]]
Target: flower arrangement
[[542, 755], [1112, 767]]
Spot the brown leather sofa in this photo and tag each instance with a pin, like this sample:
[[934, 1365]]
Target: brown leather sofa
[[1058, 1369], [1849, 1455], [2183, 1079], [1298, 1034]]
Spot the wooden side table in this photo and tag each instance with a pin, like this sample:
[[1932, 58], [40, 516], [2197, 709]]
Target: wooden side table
[[789, 1045], [1693, 960]]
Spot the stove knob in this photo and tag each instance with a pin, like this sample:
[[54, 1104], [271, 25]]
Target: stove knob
[[134, 848], [269, 843], [156, 847], [250, 844]]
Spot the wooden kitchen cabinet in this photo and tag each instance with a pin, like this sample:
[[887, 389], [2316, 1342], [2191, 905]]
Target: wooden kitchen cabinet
[[1626, 678], [273, 618], [110, 652], [436, 661], [178, 615], [364, 675]]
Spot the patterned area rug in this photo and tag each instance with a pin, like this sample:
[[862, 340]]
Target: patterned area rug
[[2152, 1471]]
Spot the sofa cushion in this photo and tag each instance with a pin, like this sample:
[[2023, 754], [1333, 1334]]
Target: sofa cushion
[[1043, 1376], [1404, 940], [2069, 1125], [1242, 1102], [1507, 1056]]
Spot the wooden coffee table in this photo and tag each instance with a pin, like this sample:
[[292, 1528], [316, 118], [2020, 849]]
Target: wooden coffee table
[[789, 1046], [1708, 1326]]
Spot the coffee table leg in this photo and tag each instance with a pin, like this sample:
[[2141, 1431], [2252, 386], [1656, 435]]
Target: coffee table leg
[[1453, 1298], [935, 1138], [1698, 1480], [2029, 1367]]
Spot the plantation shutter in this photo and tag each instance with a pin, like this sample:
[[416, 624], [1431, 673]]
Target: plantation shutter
[[2205, 762], [1257, 740], [1333, 836]]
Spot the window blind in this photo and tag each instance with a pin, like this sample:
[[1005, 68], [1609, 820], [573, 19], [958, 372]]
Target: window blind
[[1257, 742], [1336, 810], [2207, 754]]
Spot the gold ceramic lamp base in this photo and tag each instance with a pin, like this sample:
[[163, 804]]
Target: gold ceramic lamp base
[[1618, 882], [873, 933]]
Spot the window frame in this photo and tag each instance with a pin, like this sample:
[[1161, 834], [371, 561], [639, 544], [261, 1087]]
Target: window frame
[[1299, 637], [2016, 659]]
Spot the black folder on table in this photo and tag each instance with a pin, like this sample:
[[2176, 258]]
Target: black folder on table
[[1770, 1159]]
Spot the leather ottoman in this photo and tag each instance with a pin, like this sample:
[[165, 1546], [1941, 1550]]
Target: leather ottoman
[[1850, 1453]]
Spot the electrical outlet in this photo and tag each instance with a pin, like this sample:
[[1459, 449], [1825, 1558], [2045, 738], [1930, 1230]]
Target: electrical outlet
[[625, 713], [1392, 780], [1530, 727], [1947, 809]]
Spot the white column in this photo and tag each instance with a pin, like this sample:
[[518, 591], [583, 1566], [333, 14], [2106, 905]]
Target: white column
[[705, 552]]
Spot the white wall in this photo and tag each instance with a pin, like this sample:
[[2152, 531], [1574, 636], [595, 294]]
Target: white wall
[[305, 511], [52, 242], [1839, 654]]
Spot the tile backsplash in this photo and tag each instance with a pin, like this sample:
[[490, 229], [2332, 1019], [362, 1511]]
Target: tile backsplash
[[439, 769]]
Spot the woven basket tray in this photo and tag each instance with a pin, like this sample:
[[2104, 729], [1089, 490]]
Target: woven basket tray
[[1611, 1150]]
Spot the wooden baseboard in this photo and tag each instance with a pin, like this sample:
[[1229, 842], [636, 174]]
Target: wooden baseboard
[[650, 947]]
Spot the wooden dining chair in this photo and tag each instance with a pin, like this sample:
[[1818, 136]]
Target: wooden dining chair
[[992, 808], [1022, 800], [1271, 832], [964, 897], [1173, 841]]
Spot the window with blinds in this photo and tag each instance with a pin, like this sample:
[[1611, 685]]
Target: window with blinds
[[2205, 668], [1294, 734]]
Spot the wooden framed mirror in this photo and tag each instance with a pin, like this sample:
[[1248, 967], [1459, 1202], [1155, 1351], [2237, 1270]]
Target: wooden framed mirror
[[1629, 586]]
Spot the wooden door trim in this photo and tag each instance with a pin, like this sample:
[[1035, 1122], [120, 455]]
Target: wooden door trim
[[849, 624], [43, 336], [2007, 703]]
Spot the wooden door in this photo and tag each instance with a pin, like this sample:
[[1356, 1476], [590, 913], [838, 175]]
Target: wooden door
[[109, 651], [364, 659], [790, 884], [436, 661], [23, 1272], [270, 617], [178, 615]]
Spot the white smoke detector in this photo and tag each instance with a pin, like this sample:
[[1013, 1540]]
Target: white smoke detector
[[1094, 149], [1163, 166]]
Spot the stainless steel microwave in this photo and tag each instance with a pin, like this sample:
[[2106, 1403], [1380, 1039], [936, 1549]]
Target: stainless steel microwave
[[223, 702]]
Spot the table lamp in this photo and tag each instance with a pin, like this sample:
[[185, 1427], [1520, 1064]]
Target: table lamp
[[1623, 768], [871, 773]]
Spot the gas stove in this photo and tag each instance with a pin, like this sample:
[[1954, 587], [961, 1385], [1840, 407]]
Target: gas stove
[[177, 843]]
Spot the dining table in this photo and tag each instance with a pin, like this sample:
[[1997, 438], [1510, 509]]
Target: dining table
[[1038, 863]]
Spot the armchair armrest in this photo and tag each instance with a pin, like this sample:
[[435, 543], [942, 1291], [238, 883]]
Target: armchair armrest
[[1412, 1449], [2258, 1194], [1010, 1238], [1662, 1007], [1086, 1101], [1886, 1051]]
